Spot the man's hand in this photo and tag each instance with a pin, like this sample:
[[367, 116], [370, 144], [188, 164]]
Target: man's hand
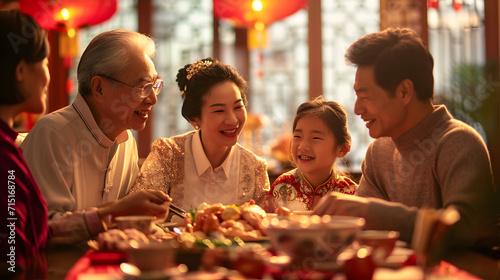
[[143, 203], [343, 205]]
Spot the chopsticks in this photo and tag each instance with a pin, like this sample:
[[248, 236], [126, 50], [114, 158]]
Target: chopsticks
[[176, 210]]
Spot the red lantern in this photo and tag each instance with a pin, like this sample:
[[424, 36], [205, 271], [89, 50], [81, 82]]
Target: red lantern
[[63, 15], [457, 5], [433, 4], [249, 12]]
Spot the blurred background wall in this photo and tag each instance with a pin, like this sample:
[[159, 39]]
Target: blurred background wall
[[298, 57]]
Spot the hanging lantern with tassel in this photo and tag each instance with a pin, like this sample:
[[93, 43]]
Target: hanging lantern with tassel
[[256, 15], [67, 16], [248, 12]]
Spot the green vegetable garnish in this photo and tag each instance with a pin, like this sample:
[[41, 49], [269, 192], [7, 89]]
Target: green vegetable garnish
[[192, 214]]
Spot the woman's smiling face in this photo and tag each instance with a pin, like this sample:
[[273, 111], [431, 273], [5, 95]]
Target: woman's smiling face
[[36, 79], [223, 115]]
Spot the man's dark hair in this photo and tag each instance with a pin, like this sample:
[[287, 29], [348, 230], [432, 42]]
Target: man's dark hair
[[396, 55]]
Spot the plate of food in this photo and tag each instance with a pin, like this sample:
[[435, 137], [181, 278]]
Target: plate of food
[[119, 240], [242, 221], [225, 225]]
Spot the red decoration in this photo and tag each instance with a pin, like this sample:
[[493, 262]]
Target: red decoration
[[63, 15], [433, 4], [457, 5], [241, 12], [70, 85]]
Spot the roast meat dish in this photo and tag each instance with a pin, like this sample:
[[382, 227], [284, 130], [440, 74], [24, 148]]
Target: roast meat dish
[[243, 221]]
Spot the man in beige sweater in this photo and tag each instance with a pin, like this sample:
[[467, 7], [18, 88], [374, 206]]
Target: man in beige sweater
[[421, 156]]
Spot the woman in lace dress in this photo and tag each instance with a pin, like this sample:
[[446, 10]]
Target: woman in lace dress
[[207, 164]]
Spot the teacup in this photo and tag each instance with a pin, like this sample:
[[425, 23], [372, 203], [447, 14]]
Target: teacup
[[380, 240]]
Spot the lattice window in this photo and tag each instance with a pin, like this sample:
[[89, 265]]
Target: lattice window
[[343, 22], [125, 17], [183, 31], [457, 43], [279, 75], [455, 37]]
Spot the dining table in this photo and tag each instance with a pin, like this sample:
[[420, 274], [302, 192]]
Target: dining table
[[80, 262]]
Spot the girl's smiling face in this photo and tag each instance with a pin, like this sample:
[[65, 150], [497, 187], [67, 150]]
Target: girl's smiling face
[[314, 149], [223, 115]]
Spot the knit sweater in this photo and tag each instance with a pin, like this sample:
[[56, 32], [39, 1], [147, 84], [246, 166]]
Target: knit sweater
[[439, 162]]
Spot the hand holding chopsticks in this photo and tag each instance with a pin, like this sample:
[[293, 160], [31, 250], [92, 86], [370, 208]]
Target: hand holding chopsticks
[[176, 210]]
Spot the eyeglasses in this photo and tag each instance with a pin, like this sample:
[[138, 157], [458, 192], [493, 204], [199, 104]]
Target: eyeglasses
[[142, 91]]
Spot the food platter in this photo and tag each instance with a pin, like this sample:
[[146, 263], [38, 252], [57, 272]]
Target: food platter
[[244, 221], [215, 225]]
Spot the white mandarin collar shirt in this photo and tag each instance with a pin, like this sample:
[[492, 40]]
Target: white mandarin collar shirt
[[83, 110], [75, 164], [203, 166], [206, 184]]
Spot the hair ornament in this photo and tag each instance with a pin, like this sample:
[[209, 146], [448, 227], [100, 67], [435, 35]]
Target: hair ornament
[[196, 67]]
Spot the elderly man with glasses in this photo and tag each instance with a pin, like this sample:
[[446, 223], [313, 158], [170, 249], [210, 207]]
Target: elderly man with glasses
[[83, 156]]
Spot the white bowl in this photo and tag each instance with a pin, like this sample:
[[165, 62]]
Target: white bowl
[[141, 223], [152, 256], [312, 239]]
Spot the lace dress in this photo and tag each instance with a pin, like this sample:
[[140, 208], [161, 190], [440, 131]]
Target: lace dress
[[165, 168]]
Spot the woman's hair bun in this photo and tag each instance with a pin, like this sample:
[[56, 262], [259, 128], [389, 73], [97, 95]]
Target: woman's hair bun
[[182, 77], [185, 74]]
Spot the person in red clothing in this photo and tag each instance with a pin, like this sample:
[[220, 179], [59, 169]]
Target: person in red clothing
[[320, 136], [24, 82], [25, 230]]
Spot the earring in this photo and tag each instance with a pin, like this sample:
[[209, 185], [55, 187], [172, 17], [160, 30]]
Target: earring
[[196, 127]]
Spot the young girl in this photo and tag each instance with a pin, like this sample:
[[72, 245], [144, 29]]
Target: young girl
[[320, 136]]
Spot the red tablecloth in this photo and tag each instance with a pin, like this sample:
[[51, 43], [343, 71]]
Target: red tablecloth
[[96, 265]]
